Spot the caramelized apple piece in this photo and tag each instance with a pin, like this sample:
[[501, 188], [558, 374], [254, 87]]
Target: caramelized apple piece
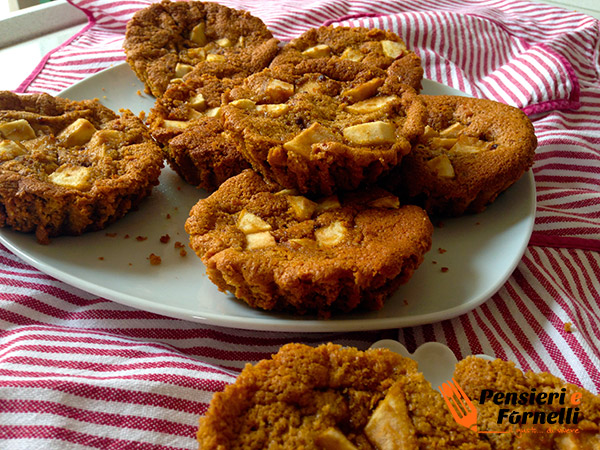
[[390, 427], [470, 144], [393, 49], [69, 176], [441, 166], [17, 130], [274, 110], [11, 149], [197, 102], [334, 439], [318, 51], [77, 133], [198, 34], [328, 203], [302, 207], [182, 69], [363, 90], [303, 141], [249, 223], [371, 133], [215, 58], [388, 201], [352, 54], [224, 42], [243, 103], [370, 105], [279, 91], [332, 234], [262, 239], [453, 130]]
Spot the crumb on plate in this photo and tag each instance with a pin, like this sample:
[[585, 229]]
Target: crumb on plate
[[155, 260]]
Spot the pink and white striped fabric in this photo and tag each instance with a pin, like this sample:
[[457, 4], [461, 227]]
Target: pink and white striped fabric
[[78, 371]]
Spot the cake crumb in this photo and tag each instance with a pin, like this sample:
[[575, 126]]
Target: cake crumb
[[445, 269], [168, 216], [126, 236], [164, 239], [101, 258], [568, 327], [181, 247], [155, 260], [141, 238], [441, 250], [111, 234]]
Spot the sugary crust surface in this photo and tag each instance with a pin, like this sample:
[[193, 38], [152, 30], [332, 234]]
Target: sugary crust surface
[[160, 36], [476, 375], [357, 44], [499, 146], [289, 400], [57, 183], [319, 255], [185, 122], [311, 142]]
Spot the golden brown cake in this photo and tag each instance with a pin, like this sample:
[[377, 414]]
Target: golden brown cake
[[67, 167], [278, 250], [324, 124], [187, 123], [471, 151], [332, 397], [535, 411], [373, 47], [167, 40]]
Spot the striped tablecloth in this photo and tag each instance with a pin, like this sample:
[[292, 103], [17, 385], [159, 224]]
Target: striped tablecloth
[[78, 371]]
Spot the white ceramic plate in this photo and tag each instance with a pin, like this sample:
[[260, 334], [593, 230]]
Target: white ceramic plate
[[436, 361], [479, 251]]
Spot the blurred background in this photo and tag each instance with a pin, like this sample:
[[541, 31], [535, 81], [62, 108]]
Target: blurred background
[[29, 29]]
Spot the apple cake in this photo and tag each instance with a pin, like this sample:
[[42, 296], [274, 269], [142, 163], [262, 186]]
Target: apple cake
[[279, 250], [186, 122], [471, 151], [323, 125], [168, 39], [373, 47], [67, 167], [332, 397]]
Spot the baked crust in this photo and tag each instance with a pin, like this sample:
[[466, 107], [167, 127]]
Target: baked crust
[[77, 167], [278, 250], [203, 35]]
